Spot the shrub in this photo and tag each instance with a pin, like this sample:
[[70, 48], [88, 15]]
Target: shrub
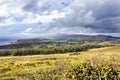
[[53, 50], [87, 72]]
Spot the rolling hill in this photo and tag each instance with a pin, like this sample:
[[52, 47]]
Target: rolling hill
[[61, 40]]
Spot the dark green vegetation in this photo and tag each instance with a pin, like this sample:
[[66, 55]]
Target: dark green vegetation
[[94, 64], [50, 50]]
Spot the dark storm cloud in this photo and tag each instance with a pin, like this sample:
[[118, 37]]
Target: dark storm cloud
[[31, 5], [38, 6], [98, 17], [108, 9]]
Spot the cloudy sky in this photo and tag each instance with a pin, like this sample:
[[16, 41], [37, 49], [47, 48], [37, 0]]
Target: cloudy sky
[[31, 18]]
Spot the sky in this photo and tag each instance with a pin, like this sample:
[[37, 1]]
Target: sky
[[34, 18]]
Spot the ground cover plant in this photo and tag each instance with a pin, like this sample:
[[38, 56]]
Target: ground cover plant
[[94, 64]]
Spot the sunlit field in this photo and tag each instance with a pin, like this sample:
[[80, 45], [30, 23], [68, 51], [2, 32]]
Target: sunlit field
[[59, 66]]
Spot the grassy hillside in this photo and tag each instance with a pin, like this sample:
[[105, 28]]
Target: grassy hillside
[[61, 40], [100, 63]]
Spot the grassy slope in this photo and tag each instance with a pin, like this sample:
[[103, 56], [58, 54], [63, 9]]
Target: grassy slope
[[22, 67]]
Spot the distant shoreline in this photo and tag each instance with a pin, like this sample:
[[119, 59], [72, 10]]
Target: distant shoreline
[[7, 42]]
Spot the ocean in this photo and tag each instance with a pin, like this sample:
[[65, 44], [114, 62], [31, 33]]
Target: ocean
[[7, 41]]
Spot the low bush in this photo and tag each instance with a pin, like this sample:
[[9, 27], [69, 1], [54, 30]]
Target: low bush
[[51, 50], [87, 72]]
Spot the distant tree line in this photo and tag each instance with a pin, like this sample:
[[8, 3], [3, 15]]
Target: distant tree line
[[19, 45], [15, 46], [50, 50]]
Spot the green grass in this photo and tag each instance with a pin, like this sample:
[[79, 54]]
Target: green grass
[[56, 66]]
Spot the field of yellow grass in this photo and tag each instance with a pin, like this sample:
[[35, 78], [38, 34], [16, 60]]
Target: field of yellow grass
[[36, 66]]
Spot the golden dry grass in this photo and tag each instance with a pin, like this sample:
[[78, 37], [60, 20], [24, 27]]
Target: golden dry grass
[[28, 65]]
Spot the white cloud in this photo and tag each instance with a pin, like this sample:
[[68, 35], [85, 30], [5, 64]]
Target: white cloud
[[17, 11], [3, 13], [7, 22], [36, 18], [29, 30]]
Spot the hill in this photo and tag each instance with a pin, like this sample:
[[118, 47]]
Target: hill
[[61, 40], [74, 37]]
